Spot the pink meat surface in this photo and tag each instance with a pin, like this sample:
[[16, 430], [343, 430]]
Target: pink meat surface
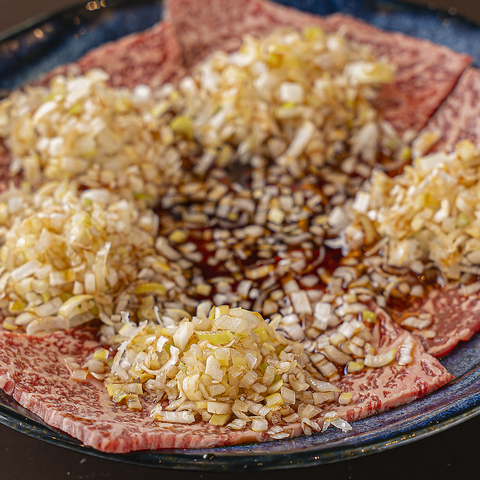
[[426, 72], [151, 57], [455, 318], [33, 371], [203, 26], [459, 117]]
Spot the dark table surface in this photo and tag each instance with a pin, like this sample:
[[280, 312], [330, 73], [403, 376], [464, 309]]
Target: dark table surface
[[445, 455]]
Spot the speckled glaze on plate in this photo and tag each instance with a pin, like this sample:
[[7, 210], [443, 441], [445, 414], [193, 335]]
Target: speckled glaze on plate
[[37, 46]]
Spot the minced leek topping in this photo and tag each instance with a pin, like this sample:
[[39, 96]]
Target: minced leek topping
[[78, 128], [429, 216], [147, 208], [70, 256], [227, 366], [301, 99]]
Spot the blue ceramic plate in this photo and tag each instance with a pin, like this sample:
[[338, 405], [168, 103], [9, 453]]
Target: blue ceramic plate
[[44, 43]]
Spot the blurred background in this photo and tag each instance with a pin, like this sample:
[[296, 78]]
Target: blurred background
[[16, 11]]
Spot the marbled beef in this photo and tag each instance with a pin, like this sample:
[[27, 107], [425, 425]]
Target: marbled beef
[[204, 26], [426, 72], [455, 317], [379, 389], [151, 57], [34, 372]]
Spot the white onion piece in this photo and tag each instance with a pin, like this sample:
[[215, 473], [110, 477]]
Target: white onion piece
[[381, 360], [183, 417]]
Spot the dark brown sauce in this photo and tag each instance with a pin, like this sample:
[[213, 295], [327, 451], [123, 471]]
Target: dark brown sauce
[[241, 174]]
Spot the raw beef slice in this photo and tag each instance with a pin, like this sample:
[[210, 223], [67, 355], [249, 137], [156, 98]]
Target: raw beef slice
[[455, 318], [378, 389], [151, 57], [33, 371], [459, 117], [426, 72]]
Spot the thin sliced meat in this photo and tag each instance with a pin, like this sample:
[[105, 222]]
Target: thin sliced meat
[[151, 57], [459, 117], [33, 371], [455, 318], [203, 26], [5, 160], [426, 72], [379, 389]]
